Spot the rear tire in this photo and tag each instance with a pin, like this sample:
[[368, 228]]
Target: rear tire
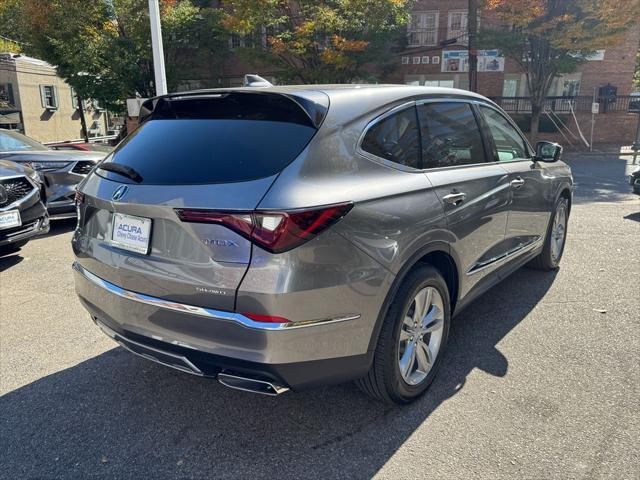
[[549, 258], [423, 295]]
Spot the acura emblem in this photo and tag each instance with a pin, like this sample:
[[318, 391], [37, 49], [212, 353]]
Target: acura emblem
[[120, 192], [4, 196]]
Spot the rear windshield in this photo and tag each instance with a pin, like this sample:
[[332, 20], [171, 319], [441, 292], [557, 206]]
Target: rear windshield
[[224, 138]]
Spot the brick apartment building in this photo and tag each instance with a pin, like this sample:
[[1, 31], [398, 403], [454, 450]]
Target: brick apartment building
[[434, 21], [425, 62]]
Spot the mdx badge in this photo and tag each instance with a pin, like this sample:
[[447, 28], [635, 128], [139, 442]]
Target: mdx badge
[[219, 242]]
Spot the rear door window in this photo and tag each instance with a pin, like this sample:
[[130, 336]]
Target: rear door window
[[221, 138], [395, 138], [450, 135]]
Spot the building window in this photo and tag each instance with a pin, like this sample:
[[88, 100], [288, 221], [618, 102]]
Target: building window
[[49, 97], [435, 60], [510, 87], [405, 60], [258, 38], [425, 60], [571, 87], [458, 26], [416, 60], [423, 28], [439, 83], [6, 94], [236, 41]]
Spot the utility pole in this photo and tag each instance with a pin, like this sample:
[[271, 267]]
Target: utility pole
[[83, 120], [158, 51], [472, 25]]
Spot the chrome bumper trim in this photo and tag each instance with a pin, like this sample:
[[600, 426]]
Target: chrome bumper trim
[[151, 353], [252, 385], [204, 312], [61, 203]]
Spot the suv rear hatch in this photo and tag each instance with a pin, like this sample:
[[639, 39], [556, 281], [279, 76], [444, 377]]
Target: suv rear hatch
[[216, 151]]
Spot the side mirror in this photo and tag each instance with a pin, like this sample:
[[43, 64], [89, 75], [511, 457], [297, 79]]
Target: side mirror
[[547, 152]]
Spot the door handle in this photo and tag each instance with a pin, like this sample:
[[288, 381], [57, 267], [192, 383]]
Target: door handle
[[517, 182], [455, 198]]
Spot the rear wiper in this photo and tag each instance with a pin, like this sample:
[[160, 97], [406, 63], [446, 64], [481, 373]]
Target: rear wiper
[[122, 170]]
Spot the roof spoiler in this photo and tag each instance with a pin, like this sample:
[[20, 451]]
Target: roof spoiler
[[313, 103]]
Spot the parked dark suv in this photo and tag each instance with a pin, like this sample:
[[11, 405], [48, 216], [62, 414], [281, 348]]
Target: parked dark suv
[[294, 236], [22, 213]]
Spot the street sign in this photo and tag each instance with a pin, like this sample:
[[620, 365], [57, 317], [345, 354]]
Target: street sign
[[595, 107]]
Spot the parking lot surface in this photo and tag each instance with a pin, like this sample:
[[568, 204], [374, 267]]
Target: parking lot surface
[[541, 380]]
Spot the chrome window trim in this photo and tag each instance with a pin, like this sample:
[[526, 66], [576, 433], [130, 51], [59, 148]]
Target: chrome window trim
[[422, 101], [202, 311]]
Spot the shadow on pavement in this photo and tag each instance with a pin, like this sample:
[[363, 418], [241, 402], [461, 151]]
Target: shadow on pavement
[[633, 216], [118, 416], [59, 227], [10, 260], [601, 180]]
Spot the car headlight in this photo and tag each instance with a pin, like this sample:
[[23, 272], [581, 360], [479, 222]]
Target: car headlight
[[44, 165]]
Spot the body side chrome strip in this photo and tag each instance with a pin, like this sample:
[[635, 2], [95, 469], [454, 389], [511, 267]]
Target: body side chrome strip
[[201, 311], [521, 249]]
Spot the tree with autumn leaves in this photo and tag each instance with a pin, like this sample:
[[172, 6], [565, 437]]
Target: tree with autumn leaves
[[103, 47], [310, 41], [550, 37]]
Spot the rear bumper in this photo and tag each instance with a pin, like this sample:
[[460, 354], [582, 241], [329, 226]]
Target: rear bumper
[[207, 342]]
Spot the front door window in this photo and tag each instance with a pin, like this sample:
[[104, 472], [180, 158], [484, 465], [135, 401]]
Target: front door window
[[508, 142]]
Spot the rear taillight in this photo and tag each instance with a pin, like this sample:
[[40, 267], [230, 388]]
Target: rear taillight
[[275, 231]]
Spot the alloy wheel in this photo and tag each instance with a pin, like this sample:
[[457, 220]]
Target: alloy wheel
[[421, 335], [558, 231]]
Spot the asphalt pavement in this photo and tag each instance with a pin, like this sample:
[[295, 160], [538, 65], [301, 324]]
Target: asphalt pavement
[[541, 380]]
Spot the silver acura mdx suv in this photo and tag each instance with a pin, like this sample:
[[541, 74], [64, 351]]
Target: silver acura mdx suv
[[280, 238]]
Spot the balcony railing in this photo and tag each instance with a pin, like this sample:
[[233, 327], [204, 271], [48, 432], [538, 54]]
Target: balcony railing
[[618, 103]]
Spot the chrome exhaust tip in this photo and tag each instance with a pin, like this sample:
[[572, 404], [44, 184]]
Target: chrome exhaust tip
[[251, 385]]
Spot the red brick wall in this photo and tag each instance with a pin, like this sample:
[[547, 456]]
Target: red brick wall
[[613, 128], [616, 68]]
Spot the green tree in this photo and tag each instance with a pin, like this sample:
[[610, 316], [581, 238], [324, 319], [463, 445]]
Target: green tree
[[103, 47], [320, 42], [550, 37]]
